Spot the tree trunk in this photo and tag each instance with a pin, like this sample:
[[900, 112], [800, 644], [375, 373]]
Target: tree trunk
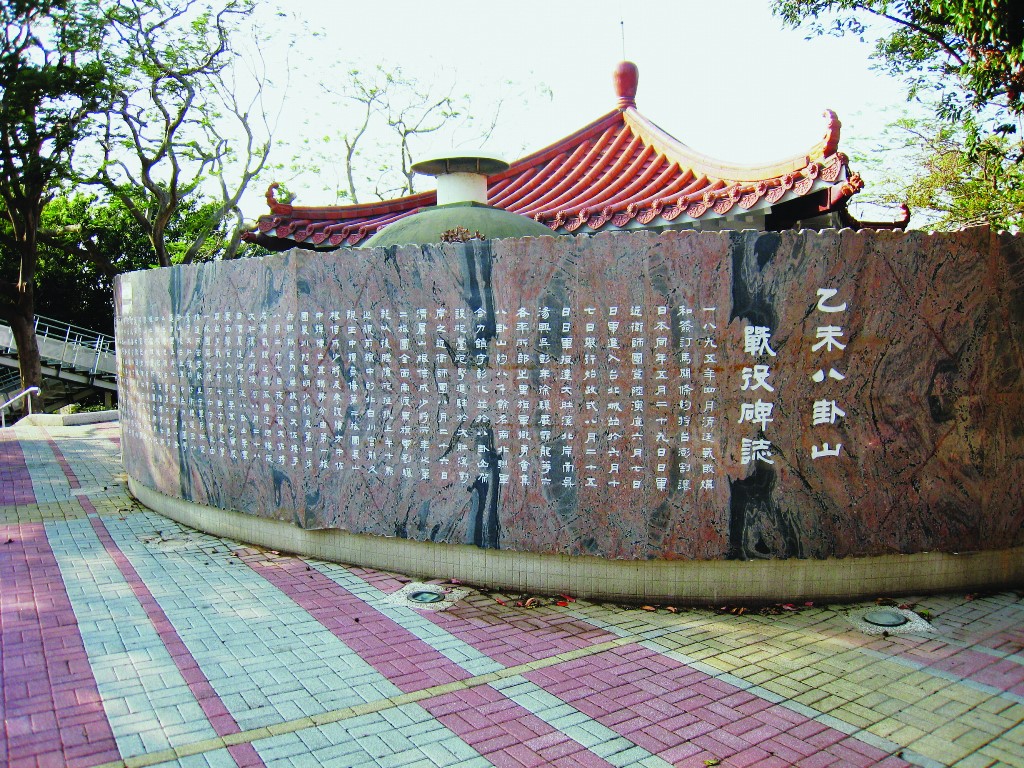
[[29, 363], [19, 309]]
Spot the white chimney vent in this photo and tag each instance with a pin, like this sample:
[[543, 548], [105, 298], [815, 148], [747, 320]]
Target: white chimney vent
[[461, 178]]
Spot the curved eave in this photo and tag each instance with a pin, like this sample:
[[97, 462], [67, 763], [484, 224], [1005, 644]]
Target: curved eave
[[702, 164], [358, 211], [818, 197], [851, 221]]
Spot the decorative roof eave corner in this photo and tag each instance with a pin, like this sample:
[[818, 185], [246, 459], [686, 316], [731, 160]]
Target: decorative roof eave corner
[[849, 220], [839, 193], [283, 209], [279, 244]]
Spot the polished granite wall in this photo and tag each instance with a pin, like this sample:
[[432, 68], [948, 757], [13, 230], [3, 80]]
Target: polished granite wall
[[628, 395]]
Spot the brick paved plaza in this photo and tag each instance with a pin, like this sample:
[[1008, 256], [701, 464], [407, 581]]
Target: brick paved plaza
[[128, 640]]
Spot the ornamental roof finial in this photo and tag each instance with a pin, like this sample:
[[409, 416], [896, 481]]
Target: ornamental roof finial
[[625, 79], [831, 138]]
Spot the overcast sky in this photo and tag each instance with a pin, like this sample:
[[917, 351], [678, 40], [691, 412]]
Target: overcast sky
[[724, 77]]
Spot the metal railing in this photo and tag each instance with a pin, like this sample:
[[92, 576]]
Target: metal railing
[[72, 347], [10, 380], [80, 348], [13, 400]]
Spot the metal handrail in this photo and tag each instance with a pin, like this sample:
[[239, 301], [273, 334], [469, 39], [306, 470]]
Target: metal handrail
[[79, 348], [16, 398], [77, 338]]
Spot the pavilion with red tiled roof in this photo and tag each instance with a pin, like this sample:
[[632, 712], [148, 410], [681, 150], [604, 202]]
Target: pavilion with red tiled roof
[[619, 172]]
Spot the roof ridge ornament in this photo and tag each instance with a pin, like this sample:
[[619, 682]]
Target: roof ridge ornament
[[625, 79], [274, 204], [832, 129]]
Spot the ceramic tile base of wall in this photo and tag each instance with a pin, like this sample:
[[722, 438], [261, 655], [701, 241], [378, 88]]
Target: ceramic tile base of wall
[[677, 581]]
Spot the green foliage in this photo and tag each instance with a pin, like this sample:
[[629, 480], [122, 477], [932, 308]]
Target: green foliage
[[46, 92], [85, 240], [47, 95], [165, 133], [965, 59], [952, 186]]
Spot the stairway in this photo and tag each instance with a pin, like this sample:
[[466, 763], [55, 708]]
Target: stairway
[[77, 363]]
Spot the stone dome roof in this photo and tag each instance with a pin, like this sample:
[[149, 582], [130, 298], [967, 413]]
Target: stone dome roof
[[428, 225]]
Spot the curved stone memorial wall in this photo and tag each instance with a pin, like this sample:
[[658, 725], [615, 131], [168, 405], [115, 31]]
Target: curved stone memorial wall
[[682, 415]]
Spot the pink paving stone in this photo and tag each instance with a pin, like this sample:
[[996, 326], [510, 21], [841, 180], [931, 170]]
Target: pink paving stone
[[521, 729], [852, 759], [502, 705], [681, 720], [546, 746], [777, 717], [524, 757], [785, 751], [652, 686], [15, 480], [640, 731], [694, 730], [743, 726], [622, 718], [818, 760], [826, 738], [721, 744], [222, 722], [739, 699], [378, 640], [804, 731], [681, 752], [592, 685], [733, 742], [562, 749], [245, 756], [964, 663], [797, 744], [490, 733], [1000, 673], [577, 759], [546, 740], [661, 734], [762, 732], [708, 715], [748, 757], [513, 637], [854, 746], [43, 724], [773, 761]]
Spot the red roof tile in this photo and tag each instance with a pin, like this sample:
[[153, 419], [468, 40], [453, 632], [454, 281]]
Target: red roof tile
[[620, 171]]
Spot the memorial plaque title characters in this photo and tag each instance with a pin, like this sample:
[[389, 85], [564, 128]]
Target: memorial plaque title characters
[[627, 395]]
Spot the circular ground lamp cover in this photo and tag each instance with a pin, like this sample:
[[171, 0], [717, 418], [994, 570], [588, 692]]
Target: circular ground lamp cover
[[885, 618], [424, 596]]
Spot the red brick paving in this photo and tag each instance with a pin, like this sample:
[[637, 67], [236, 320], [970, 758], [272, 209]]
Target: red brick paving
[[52, 708]]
